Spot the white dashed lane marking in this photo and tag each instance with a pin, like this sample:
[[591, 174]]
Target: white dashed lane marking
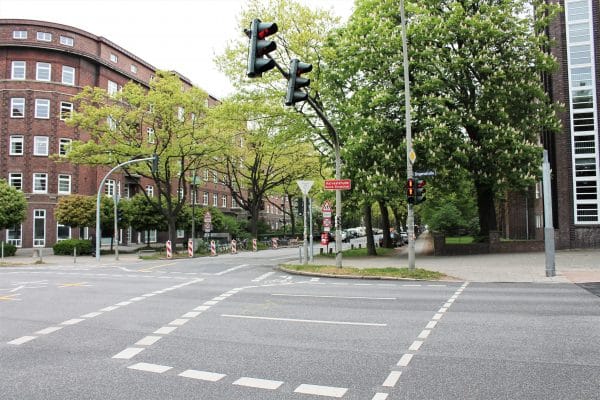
[[159, 369], [49, 330], [21, 340], [405, 360], [328, 391], [313, 321], [202, 375], [258, 383], [128, 353]]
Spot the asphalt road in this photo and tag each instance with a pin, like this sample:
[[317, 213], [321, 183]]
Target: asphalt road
[[231, 327]]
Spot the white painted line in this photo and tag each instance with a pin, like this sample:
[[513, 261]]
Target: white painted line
[[149, 295], [231, 269], [263, 276], [416, 345], [201, 308], [202, 375], [22, 340], [442, 310], [148, 340], [450, 301], [424, 334], [314, 321], [431, 324], [159, 369], [436, 285], [128, 353], [210, 303], [109, 308], [49, 330], [411, 285], [404, 360], [314, 279], [72, 321], [258, 383], [380, 396], [178, 322], [137, 298], [219, 298], [165, 330], [446, 305], [123, 303], [91, 315], [191, 314], [226, 295], [334, 297], [453, 297], [328, 391], [437, 316], [392, 379], [363, 284]]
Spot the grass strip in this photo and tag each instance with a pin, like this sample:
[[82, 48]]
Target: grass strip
[[417, 273]]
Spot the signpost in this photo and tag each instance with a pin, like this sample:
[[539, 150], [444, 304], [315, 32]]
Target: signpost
[[305, 188]]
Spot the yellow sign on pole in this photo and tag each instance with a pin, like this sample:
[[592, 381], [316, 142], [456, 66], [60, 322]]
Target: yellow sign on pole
[[412, 156]]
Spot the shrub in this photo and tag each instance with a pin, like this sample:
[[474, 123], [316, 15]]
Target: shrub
[[65, 247], [9, 250]]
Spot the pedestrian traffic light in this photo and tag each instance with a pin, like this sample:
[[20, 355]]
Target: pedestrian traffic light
[[295, 82], [259, 47], [120, 215], [300, 205], [420, 192], [410, 191]]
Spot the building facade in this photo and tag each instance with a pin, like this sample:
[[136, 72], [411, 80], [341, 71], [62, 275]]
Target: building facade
[[42, 66], [574, 152]]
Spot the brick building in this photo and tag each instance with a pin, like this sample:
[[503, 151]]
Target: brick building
[[42, 66]]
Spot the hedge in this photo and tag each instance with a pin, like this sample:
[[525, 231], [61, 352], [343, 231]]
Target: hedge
[[9, 249], [65, 247]]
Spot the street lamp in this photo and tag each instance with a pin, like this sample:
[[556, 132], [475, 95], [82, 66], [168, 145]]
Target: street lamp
[[194, 185], [283, 210]]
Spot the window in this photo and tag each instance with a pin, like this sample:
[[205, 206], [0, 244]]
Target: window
[[215, 200], [19, 34], [66, 40], [112, 88], [17, 107], [16, 180], [64, 145], [40, 183], [39, 228], [63, 232], [109, 187], [233, 202], [206, 175], [205, 199], [150, 190], [64, 184], [14, 235], [111, 123], [44, 36], [16, 145], [66, 109], [114, 58], [42, 108], [224, 201], [18, 70], [68, 75], [180, 114], [43, 71], [40, 145], [215, 177], [134, 69], [151, 135]]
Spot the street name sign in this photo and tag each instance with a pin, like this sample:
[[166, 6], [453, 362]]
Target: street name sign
[[338, 184]]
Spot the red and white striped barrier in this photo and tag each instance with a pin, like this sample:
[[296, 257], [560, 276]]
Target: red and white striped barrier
[[213, 248], [254, 245], [233, 247], [190, 247], [274, 241], [169, 249]]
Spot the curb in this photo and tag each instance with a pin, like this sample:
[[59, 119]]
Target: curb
[[381, 278]]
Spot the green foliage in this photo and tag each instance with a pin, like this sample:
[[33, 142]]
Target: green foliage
[[65, 247], [9, 249], [76, 210], [142, 214], [13, 206]]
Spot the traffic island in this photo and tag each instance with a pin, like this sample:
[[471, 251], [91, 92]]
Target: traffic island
[[387, 273]]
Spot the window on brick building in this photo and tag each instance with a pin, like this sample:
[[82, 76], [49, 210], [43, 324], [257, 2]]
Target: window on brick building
[[63, 232], [150, 190], [42, 108], [112, 88], [39, 228], [215, 200], [18, 70], [14, 235], [15, 179], [16, 145], [224, 201], [64, 145], [43, 71], [114, 58], [109, 187], [151, 135], [40, 145], [68, 75], [19, 34], [64, 184], [66, 40], [40, 183], [134, 69], [44, 36], [205, 199], [17, 107], [66, 109]]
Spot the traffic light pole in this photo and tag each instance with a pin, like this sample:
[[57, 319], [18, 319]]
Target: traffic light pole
[[410, 219]]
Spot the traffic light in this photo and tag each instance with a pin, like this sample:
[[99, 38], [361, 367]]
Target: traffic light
[[410, 191], [300, 205], [420, 193], [259, 47], [120, 215], [295, 82]]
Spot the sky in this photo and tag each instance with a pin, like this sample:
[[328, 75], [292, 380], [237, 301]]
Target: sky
[[146, 28]]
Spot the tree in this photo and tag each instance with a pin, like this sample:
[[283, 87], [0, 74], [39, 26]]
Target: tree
[[13, 206], [167, 120], [76, 211]]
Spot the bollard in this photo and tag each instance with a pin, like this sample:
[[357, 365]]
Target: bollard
[[213, 248], [233, 247], [169, 249], [190, 248], [274, 241], [254, 245], [74, 255]]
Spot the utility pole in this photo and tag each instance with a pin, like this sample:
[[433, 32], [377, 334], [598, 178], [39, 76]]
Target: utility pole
[[410, 155], [548, 225]]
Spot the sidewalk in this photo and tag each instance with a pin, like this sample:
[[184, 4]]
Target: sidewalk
[[578, 266]]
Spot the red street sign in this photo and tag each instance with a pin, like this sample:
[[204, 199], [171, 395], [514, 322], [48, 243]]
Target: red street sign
[[338, 184], [207, 217], [324, 239], [327, 222]]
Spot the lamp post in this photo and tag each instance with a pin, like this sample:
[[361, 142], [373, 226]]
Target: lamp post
[[194, 187], [283, 210]]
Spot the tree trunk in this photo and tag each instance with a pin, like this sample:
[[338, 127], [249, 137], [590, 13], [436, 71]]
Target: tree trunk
[[398, 218], [385, 221], [486, 209], [369, 228], [292, 215], [172, 222]]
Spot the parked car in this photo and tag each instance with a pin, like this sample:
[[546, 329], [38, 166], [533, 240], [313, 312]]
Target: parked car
[[404, 237], [396, 239]]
